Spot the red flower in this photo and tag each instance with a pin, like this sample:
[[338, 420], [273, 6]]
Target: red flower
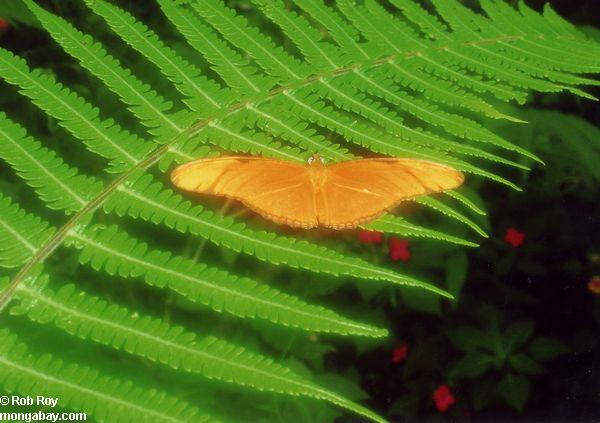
[[443, 398], [370, 237], [4, 24], [400, 353], [399, 249], [594, 285], [514, 237]]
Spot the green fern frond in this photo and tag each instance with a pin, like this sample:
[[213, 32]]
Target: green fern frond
[[443, 208], [111, 249], [236, 71], [147, 200], [114, 251], [348, 80], [467, 202], [85, 389], [86, 316], [145, 103], [346, 95], [89, 317], [57, 184], [104, 138], [21, 234], [399, 226], [189, 80], [270, 57]]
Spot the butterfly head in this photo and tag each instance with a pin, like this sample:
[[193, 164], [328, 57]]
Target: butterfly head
[[316, 160]]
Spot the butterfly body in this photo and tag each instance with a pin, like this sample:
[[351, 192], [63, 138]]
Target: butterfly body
[[340, 196]]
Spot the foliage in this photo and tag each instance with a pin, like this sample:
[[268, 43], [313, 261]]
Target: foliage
[[106, 259]]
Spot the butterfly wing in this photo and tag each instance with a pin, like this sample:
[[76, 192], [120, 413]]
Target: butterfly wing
[[360, 190], [278, 190]]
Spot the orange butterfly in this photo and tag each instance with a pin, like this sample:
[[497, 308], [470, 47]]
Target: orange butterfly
[[340, 196]]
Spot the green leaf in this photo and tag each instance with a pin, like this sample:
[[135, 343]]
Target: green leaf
[[102, 137], [485, 392], [399, 226], [56, 183], [514, 389], [517, 334], [417, 300], [472, 365], [113, 250], [522, 363], [456, 273], [542, 348], [21, 234], [468, 338], [89, 317], [84, 388]]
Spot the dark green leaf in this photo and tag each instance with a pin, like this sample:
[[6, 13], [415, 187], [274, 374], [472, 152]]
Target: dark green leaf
[[485, 392], [522, 363], [472, 365], [467, 338], [419, 300], [543, 348], [406, 406], [456, 274], [515, 390], [517, 334]]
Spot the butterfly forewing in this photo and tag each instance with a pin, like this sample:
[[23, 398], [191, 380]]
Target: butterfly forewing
[[278, 190], [360, 190]]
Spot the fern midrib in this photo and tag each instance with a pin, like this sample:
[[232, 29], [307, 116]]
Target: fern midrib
[[547, 47], [56, 240], [153, 157], [45, 376], [446, 68], [424, 111]]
